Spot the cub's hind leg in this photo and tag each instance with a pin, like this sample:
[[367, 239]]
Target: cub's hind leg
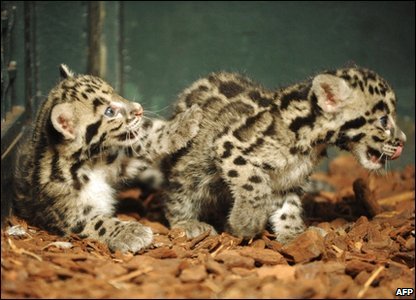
[[183, 210], [252, 205]]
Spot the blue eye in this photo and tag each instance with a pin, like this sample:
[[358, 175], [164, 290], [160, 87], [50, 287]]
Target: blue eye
[[384, 121], [109, 112]]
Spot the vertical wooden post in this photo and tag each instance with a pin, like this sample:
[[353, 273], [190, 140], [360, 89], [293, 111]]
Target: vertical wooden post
[[95, 30], [121, 47]]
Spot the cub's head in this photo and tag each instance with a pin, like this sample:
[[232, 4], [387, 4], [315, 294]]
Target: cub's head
[[85, 110], [363, 107]]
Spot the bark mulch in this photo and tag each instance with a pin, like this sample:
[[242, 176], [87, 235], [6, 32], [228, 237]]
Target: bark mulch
[[368, 251]]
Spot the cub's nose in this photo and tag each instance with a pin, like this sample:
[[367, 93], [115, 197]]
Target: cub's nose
[[137, 110], [403, 138], [400, 137]]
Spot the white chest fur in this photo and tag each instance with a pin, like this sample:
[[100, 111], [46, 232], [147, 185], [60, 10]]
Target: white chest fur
[[97, 192]]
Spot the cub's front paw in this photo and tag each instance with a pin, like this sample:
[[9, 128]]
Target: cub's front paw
[[193, 228], [285, 232], [130, 236], [193, 117]]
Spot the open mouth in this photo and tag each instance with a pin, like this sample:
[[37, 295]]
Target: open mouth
[[376, 157], [133, 130], [389, 153], [132, 136], [134, 126]]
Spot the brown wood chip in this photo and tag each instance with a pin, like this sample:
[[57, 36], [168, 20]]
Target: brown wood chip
[[363, 255]]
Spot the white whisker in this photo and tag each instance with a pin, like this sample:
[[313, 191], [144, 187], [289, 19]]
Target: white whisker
[[157, 111], [152, 119], [388, 166], [378, 159], [137, 141], [152, 114]]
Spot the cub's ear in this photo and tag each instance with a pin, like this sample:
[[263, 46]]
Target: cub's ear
[[65, 71], [62, 117], [332, 92]]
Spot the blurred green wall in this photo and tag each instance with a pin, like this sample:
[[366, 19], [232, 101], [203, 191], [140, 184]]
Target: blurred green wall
[[170, 44]]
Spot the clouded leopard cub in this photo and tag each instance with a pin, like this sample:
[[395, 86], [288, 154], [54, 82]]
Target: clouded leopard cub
[[86, 141], [256, 147]]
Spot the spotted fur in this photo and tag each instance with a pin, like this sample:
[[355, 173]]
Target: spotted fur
[[87, 141], [257, 147]]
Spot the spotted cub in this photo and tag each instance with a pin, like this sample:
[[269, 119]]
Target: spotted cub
[[256, 148], [86, 142]]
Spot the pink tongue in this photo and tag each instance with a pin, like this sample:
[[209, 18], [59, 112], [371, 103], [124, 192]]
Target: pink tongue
[[397, 153], [374, 159]]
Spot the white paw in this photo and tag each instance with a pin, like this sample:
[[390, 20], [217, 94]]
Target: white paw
[[194, 228], [287, 223], [194, 120], [286, 236], [133, 237]]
